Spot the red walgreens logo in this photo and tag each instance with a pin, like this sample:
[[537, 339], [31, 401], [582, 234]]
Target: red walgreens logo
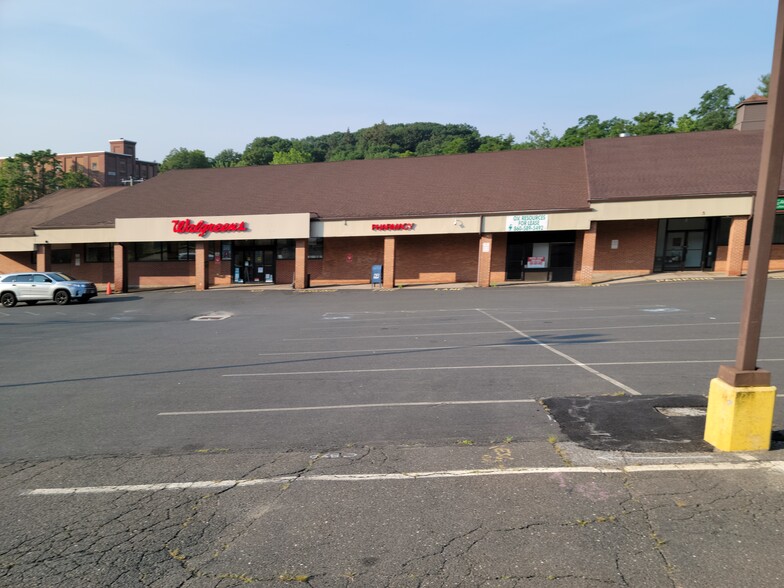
[[201, 228]]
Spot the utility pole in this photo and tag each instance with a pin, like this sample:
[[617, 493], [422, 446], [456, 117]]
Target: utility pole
[[741, 398]]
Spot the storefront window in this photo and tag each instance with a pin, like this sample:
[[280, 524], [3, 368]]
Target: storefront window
[[316, 248], [99, 253], [169, 251], [285, 249], [61, 256]]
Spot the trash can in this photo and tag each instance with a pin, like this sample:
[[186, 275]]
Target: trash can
[[376, 274]]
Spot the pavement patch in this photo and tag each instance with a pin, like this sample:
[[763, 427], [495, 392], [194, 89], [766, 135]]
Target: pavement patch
[[634, 424]]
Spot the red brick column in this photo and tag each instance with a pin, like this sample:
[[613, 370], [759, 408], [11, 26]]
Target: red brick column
[[201, 265], [588, 255], [43, 257], [485, 259], [300, 264], [120, 267], [736, 246], [389, 262]]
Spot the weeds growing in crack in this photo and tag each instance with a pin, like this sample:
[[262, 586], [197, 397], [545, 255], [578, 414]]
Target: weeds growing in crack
[[553, 440]]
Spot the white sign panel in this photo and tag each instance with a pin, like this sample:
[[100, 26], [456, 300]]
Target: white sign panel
[[526, 223]]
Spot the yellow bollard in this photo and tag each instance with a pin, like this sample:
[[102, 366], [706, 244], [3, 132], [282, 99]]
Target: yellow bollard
[[740, 418]]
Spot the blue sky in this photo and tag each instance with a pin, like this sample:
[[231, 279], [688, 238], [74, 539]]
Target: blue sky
[[216, 74]]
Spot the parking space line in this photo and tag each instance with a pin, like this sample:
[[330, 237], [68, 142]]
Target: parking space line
[[574, 363], [567, 357], [331, 351], [474, 333], [776, 466], [351, 406], [407, 369]]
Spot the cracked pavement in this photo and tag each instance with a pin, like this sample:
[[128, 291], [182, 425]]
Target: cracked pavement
[[555, 528], [352, 439]]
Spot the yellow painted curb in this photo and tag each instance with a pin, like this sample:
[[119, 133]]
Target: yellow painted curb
[[739, 418]]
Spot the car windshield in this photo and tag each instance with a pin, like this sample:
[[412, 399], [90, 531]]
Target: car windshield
[[58, 277]]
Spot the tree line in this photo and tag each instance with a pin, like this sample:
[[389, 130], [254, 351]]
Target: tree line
[[28, 176], [716, 111]]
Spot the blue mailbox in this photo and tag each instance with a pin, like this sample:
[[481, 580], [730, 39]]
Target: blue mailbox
[[375, 274]]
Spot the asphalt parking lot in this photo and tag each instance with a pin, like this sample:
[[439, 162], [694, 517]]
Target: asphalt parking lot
[[279, 370], [369, 438]]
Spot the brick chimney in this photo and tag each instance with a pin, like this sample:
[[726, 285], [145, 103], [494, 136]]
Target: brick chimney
[[123, 146], [751, 113]]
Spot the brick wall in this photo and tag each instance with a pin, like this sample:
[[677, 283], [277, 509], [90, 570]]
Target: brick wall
[[347, 260], [776, 259], [498, 262], [636, 248], [11, 263], [437, 259]]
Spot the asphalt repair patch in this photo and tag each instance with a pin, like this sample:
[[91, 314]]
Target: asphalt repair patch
[[631, 423]]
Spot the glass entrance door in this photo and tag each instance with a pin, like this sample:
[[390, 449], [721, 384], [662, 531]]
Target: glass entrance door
[[683, 250], [254, 264]]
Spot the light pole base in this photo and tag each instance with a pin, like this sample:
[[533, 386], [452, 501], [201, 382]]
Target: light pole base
[[740, 418]]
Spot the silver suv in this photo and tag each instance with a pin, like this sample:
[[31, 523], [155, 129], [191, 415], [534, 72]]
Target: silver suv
[[31, 287]]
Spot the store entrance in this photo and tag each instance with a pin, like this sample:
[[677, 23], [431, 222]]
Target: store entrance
[[685, 244], [540, 256], [254, 263]]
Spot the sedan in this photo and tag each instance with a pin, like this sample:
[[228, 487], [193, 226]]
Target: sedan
[[32, 287]]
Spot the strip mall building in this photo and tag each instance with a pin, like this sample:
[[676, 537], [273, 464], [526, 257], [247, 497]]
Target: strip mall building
[[614, 207]]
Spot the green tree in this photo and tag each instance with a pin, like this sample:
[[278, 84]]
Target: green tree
[[764, 86], [653, 123], [714, 112], [591, 127], [183, 158], [75, 179], [539, 139], [261, 150], [293, 155], [499, 143], [28, 176], [226, 158]]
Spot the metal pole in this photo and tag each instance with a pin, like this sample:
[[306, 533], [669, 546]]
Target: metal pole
[[745, 372]]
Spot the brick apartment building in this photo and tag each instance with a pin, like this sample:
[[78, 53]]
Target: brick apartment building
[[117, 167], [614, 207]]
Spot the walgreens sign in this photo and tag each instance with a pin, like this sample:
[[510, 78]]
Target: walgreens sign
[[202, 228]]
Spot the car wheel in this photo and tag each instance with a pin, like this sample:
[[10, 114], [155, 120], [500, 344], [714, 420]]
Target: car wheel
[[62, 297], [8, 299], [31, 302]]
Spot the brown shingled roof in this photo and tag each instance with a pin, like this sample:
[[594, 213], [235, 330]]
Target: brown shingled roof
[[508, 181], [675, 165], [20, 222]]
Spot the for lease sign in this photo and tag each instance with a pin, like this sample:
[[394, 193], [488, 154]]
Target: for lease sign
[[526, 222]]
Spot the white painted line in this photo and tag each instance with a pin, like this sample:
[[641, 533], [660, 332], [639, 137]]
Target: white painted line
[[32, 313], [351, 406], [576, 362], [412, 476], [353, 325], [331, 351], [408, 369], [474, 333], [480, 347], [747, 457], [408, 335]]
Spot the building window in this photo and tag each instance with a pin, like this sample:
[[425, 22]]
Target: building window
[[61, 256], [168, 251], [285, 248], [94, 166], [99, 253], [316, 248]]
